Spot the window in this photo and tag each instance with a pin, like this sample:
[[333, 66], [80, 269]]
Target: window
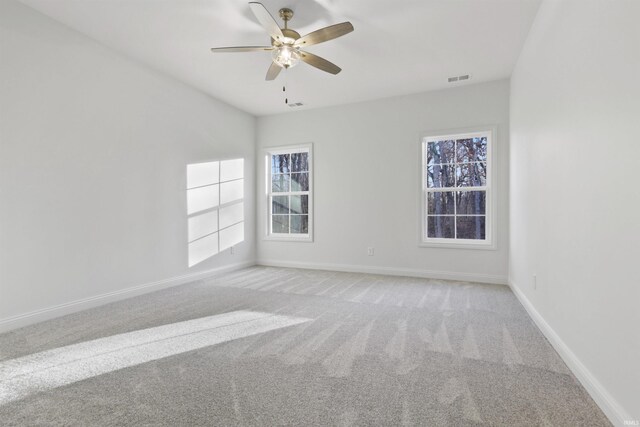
[[456, 184], [289, 190], [215, 208]]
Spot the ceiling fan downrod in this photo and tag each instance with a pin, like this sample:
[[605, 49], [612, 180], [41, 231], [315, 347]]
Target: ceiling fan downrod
[[286, 14]]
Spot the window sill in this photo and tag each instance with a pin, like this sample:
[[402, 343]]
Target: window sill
[[286, 238], [484, 246]]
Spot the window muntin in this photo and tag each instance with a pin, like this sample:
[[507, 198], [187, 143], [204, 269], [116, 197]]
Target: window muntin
[[456, 188], [289, 193]]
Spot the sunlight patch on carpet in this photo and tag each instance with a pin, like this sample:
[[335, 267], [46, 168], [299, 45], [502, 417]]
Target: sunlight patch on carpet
[[62, 366]]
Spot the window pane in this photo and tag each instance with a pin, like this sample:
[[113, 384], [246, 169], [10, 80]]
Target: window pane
[[440, 227], [439, 176], [300, 181], [300, 224], [299, 162], [440, 203], [280, 204], [299, 204], [472, 150], [440, 152], [280, 163], [471, 174], [471, 202], [280, 183], [280, 224], [471, 227]]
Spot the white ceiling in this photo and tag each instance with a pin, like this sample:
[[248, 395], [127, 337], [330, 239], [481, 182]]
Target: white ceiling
[[398, 46]]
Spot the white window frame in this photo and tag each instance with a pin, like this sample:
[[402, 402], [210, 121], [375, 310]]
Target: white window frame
[[490, 242], [288, 237]]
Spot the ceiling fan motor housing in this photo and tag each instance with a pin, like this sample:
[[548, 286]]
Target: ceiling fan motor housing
[[291, 33], [290, 36]]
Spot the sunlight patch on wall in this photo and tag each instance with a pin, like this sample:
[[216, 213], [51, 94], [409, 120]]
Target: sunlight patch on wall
[[215, 207]]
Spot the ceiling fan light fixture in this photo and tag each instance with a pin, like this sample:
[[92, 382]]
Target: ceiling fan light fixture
[[286, 56]]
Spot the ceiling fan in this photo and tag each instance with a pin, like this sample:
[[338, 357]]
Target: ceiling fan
[[286, 44]]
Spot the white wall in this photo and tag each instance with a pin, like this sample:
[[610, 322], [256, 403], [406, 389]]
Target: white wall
[[575, 203], [93, 155], [367, 183]]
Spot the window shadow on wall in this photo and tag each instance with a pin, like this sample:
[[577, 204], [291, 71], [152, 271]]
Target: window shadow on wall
[[215, 207]]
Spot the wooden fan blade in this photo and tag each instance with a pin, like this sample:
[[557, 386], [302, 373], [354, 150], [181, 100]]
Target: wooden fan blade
[[241, 49], [324, 34], [319, 63], [266, 20], [273, 71]]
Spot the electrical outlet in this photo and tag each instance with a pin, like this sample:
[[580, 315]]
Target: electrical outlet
[[535, 282], [370, 251], [231, 250]]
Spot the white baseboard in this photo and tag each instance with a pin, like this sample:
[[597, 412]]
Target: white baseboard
[[616, 414], [389, 271], [36, 316]]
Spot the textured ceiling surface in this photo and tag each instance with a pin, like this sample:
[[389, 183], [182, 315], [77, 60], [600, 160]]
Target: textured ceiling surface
[[397, 48]]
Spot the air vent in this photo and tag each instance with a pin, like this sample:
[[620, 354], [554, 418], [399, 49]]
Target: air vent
[[295, 104], [459, 78]]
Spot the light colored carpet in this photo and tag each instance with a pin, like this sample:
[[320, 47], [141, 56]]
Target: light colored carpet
[[273, 346]]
